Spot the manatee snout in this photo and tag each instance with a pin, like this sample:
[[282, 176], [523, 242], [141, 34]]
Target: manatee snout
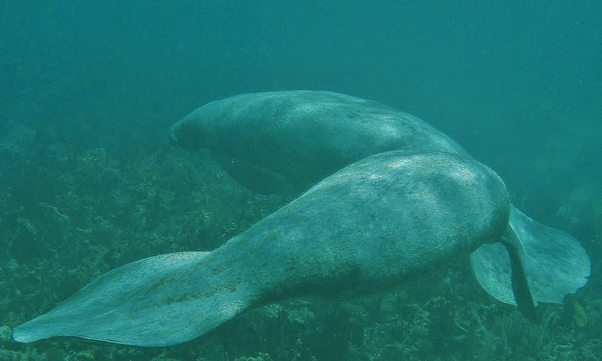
[[186, 136], [173, 137]]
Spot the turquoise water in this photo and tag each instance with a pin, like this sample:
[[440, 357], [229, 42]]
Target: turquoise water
[[89, 182]]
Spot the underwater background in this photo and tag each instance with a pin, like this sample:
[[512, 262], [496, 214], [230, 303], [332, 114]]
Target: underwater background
[[89, 181]]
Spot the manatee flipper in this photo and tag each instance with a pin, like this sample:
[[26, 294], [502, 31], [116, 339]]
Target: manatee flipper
[[555, 263], [145, 303], [520, 284], [255, 178]]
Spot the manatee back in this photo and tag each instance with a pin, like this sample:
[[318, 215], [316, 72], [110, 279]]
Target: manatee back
[[376, 224]]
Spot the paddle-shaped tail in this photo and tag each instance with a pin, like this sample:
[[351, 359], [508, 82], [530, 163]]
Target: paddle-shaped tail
[[145, 303]]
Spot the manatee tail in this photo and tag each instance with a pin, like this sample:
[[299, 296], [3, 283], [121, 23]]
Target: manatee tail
[[158, 301], [553, 262]]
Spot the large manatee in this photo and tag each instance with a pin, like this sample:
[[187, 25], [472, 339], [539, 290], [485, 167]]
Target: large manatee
[[376, 224], [292, 139]]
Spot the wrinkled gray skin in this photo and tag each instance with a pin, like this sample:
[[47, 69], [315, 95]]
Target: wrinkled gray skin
[[383, 222], [290, 140]]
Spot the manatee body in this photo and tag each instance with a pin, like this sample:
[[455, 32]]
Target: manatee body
[[379, 223], [292, 139]]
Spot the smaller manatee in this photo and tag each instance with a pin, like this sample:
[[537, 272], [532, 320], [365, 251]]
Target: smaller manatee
[[291, 140]]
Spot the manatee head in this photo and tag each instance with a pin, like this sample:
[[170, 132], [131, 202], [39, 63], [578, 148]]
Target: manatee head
[[187, 134]]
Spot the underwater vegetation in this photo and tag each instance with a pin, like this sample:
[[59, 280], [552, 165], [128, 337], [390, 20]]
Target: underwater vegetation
[[69, 216]]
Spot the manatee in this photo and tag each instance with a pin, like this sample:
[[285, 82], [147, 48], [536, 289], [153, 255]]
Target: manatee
[[290, 140], [377, 224], [293, 139]]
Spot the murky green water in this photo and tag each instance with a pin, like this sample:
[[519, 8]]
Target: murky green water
[[89, 182]]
